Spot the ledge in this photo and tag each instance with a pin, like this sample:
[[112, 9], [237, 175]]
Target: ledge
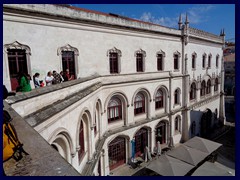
[[42, 160]]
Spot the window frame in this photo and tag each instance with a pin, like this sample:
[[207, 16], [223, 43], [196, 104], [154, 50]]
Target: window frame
[[159, 100], [142, 109], [193, 93], [204, 61], [177, 97], [113, 109]]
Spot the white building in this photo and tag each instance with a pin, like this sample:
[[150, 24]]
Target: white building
[[133, 80]]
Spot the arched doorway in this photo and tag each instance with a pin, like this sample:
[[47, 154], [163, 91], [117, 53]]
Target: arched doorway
[[117, 152], [161, 133], [141, 141], [206, 123]]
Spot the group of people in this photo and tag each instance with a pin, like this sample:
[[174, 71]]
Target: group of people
[[51, 78]]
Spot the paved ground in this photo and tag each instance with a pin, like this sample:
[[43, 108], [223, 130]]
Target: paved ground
[[225, 160]]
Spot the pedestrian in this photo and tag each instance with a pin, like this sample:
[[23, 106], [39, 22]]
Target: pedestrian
[[63, 74], [69, 77], [57, 78], [36, 80], [49, 78], [23, 82]]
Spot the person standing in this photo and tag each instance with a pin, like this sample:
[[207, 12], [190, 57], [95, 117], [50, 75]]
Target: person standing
[[57, 78], [24, 83], [36, 80], [69, 77], [49, 78]]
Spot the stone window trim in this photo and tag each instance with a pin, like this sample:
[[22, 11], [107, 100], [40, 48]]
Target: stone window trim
[[176, 63], [68, 47], [161, 52], [209, 61], [194, 54], [204, 61], [17, 45], [177, 94], [143, 53], [119, 53], [217, 61], [177, 124]]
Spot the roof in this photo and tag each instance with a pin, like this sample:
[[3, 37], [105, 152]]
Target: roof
[[202, 144], [213, 169], [169, 166], [229, 58], [188, 155]]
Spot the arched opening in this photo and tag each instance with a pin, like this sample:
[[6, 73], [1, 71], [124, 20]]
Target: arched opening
[[81, 142], [203, 88], [209, 86], [206, 123], [139, 104], [117, 152], [141, 141], [114, 109], [18, 61], [193, 91], [161, 132], [159, 99], [177, 96], [62, 145], [68, 57]]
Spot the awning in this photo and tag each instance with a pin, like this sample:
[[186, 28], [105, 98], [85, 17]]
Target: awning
[[212, 169], [188, 155], [202, 144], [168, 166]]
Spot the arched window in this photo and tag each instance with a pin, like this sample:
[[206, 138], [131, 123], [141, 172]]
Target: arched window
[[81, 142], [139, 62], [204, 61], [139, 104], [117, 152], [216, 85], [114, 60], [203, 88], [69, 56], [217, 58], [193, 128], [177, 123], [159, 99], [18, 61], [176, 62], [193, 91], [209, 60], [177, 96], [114, 110], [209, 86], [194, 56]]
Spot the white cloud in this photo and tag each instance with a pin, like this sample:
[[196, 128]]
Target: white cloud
[[196, 15], [164, 21]]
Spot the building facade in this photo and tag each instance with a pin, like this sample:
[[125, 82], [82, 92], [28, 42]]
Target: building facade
[[133, 80]]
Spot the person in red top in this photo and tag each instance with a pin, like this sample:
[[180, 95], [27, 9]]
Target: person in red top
[[69, 77]]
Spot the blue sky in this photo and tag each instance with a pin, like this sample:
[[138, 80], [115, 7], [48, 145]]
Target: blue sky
[[208, 17]]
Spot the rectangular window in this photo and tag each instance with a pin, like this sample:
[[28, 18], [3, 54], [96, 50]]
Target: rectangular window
[[159, 62], [139, 62], [217, 61], [193, 62], [176, 62], [203, 61], [68, 62], [209, 61], [113, 58]]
